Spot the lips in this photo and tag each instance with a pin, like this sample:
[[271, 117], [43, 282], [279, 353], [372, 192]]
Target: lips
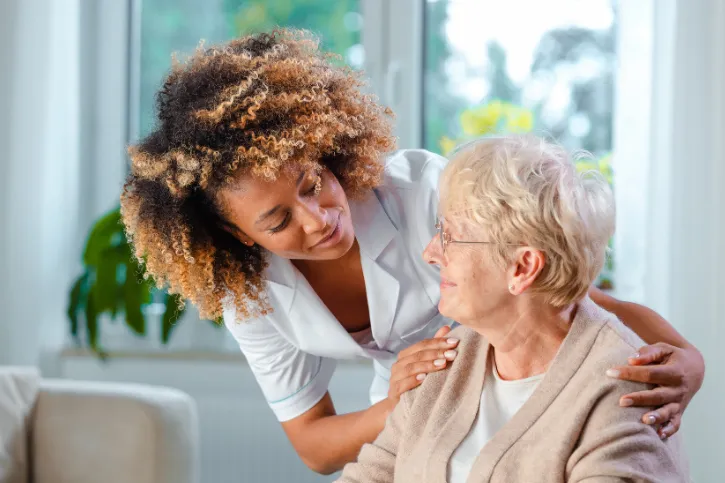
[[329, 236], [446, 283]]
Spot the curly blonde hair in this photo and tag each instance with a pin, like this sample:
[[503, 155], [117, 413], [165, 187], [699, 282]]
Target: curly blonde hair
[[259, 104]]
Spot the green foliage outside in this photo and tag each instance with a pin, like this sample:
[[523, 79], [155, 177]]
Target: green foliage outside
[[170, 26]]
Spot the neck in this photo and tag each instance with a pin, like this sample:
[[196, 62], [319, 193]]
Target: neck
[[526, 338]]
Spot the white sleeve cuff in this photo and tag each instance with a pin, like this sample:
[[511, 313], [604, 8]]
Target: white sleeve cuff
[[308, 395]]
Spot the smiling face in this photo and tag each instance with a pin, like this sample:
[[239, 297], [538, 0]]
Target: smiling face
[[473, 287], [301, 215]]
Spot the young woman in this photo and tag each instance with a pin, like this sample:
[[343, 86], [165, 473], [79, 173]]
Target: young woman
[[267, 194]]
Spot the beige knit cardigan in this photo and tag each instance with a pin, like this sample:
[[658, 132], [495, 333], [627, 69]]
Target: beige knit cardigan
[[572, 428]]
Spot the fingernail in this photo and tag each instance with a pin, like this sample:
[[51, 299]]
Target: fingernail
[[626, 402], [663, 435], [612, 373], [439, 362], [635, 356], [450, 355], [420, 377], [651, 419], [452, 341]]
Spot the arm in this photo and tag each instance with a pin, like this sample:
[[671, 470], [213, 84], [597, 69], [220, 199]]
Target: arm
[[295, 384], [672, 363], [625, 452], [326, 441], [376, 462], [614, 446], [645, 322]]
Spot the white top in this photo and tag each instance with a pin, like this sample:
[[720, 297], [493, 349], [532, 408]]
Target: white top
[[500, 400], [293, 350], [364, 338]]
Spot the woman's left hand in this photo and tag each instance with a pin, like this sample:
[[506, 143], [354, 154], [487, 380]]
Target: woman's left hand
[[677, 372]]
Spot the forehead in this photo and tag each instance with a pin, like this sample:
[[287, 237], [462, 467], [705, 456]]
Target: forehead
[[250, 183]]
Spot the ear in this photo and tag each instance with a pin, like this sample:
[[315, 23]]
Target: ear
[[527, 264], [237, 233]]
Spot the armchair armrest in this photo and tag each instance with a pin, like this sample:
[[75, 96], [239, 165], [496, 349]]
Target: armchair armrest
[[86, 432]]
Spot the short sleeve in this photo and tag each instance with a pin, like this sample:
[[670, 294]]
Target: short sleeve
[[291, 380]]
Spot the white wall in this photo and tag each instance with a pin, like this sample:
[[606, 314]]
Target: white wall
[[40, 172], [696, 301], [670, 159]]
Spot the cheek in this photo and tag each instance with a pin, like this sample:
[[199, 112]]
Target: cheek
[[476, 277], [283, 244]]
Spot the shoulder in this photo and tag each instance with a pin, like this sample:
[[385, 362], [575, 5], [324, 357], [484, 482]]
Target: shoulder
[[409, 192], [409, 168], [615, 342], [467, 337], [446, 386], [613, 345]]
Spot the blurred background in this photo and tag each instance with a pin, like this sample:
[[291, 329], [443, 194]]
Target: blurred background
[[637, 83]]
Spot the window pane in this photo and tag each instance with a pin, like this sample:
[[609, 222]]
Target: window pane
[[169, 26], [521, 65]]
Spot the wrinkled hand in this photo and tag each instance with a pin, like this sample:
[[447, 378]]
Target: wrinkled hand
[[678, 374], [418, 360]]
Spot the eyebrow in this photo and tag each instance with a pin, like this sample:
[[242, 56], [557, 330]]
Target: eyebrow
[[274, 210]]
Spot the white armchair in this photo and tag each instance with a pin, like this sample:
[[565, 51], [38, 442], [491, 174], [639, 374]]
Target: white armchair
[[63, 431]]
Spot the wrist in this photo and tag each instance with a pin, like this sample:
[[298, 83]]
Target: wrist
[[388, 406], [384, 408]]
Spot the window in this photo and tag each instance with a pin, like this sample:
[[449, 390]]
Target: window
[[450, 69], [521, 65], [169, 26]]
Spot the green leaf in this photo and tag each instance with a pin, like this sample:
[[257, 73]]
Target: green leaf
[[105, 232], [106, 283], [92, 321], [172, 314], [74, 304], [135, 293]]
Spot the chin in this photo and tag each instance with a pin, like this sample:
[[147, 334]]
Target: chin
[[339, 250], [455, 310], [444, 309]]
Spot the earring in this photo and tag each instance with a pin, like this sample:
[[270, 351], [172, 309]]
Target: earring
[[249, 243], [511, 288]]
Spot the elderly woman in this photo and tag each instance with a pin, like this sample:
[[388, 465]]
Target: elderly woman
[[520, 240]]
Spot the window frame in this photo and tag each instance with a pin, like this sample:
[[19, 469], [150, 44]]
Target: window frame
[[106, 66], [392, 33]]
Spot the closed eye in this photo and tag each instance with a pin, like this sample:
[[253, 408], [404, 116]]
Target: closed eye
[[281, 226], [313, 188]]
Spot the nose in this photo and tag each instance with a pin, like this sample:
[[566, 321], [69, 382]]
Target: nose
[[314, 218], [433, 253]]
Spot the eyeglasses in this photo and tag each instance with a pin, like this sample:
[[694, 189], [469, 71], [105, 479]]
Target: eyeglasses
[[446, 239]]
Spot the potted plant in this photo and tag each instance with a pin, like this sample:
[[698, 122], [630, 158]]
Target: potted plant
[[112, 285]]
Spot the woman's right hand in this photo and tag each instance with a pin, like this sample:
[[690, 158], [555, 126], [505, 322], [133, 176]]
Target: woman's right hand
[[418, 360]]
